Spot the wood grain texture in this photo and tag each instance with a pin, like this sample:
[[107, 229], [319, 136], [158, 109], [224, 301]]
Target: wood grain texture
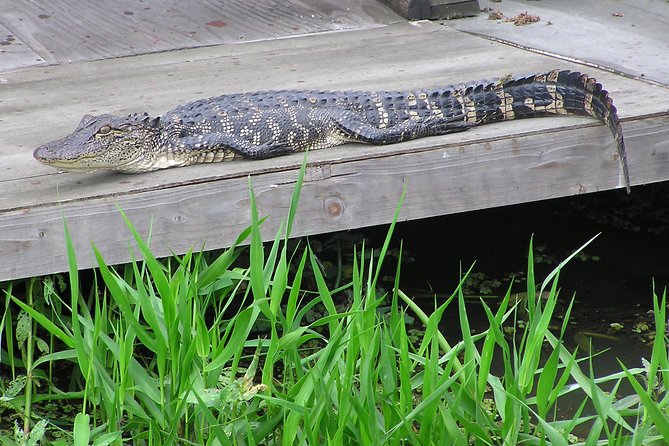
[[65, 31], [349, 186], [16, 54], [629, 36]]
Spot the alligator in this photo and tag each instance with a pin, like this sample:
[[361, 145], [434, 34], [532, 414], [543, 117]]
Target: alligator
[[265, 124]]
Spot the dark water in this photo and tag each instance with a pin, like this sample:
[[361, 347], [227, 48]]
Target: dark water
[[612, 282], [631, 250]]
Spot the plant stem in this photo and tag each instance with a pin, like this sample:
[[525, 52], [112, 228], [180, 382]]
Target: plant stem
[[443, 343], [29, 366]]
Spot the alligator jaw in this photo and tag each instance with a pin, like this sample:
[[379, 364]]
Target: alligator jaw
[[47, 156]]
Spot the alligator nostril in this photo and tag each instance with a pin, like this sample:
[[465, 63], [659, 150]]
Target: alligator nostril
[[41, 152]]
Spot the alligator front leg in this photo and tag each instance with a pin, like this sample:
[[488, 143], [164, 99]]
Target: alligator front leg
[[215, 142]]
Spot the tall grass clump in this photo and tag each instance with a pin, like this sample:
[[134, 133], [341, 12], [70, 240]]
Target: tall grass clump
[[193, 350]]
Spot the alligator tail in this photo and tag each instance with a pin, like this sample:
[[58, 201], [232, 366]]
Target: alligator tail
[[557, 92]]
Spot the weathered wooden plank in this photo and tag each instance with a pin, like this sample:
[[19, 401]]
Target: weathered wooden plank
[[342, 193], [101, 30], [16, 54], [629, 36]]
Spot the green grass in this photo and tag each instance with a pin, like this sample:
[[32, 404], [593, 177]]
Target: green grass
[[194, 350]]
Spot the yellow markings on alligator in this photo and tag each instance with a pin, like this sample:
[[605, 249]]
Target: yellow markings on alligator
[[469, 108], [559, 105], [529, 103], [436, 110], [212, 156], [411, 102], [226, 155], [457, 95], [555, 106], [587, 103], [588, 82], [380, 111], [506, 103], [552, 76]]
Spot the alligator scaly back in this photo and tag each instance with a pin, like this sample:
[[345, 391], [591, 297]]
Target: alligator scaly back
[[270, 123]]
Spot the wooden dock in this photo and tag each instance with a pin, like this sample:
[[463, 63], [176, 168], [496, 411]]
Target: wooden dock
[[53, 74]]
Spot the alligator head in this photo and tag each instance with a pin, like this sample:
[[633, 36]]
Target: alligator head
[[124, 144]]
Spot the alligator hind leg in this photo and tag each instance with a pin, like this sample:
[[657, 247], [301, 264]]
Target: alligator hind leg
[[242, 147], [356, 129], [442, 125]]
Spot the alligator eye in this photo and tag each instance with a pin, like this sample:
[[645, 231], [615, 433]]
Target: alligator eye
[[104, 130]]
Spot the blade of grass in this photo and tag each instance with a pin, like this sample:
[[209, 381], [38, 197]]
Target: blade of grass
[[434, 396], [650, 406]]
